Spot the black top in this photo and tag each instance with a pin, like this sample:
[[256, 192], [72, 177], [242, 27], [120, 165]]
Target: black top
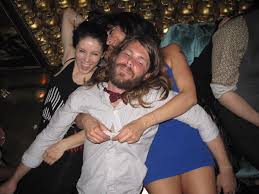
[[62, 176], [60, 87]]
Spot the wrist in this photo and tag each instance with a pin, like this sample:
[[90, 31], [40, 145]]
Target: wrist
[[63, 145], [89, 122], [151, 120], [147, 121], [14, 179], [84, 122], [224, 168]]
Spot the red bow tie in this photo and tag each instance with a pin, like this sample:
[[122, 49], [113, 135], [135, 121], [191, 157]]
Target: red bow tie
[[114, 96]]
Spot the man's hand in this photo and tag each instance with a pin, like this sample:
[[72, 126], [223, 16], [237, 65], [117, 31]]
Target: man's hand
[[226, 181], [130, 133]]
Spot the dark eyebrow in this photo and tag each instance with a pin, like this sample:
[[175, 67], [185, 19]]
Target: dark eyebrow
[[140, 56]]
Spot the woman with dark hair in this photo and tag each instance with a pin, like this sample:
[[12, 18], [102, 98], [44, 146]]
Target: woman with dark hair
[[81, 57]]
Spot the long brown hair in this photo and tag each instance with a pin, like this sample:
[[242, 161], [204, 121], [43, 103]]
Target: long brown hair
[[157, 79]]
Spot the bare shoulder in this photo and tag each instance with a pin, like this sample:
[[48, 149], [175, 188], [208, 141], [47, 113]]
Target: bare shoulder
[[171, 48], [174, 55]]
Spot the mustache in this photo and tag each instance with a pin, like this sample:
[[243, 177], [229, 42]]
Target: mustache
[[125, 68]]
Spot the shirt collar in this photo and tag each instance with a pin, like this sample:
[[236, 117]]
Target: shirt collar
[[105, 96]]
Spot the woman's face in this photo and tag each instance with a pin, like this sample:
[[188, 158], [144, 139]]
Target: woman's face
[[89, 51], [114, 37]]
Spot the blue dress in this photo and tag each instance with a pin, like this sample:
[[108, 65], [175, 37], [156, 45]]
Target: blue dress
[[177, 148]]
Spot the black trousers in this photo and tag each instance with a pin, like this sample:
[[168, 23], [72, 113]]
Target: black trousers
[[243, 135], [60, 178]]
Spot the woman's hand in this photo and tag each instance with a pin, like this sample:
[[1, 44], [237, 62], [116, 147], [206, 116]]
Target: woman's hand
[[54, 153], [95, 131], [131, 132], [226, 181]]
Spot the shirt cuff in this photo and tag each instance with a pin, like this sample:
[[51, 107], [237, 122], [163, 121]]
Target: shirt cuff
[[212, 134], [218, 89], [31, 161]]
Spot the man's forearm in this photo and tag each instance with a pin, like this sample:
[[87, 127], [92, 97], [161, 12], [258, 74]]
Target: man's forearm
[[236, 104], [55, 151], [20, 172], [218, 150]]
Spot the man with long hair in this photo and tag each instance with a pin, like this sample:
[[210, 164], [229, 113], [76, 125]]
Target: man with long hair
[[131, 85]]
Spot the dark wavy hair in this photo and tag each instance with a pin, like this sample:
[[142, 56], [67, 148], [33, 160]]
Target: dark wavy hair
[[157, 79], [133, 24], [90, 29]]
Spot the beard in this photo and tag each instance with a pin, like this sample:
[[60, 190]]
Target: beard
[[118, 80]]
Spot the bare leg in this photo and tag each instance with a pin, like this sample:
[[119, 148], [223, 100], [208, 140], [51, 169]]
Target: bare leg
[[201, 180], [171, 185]]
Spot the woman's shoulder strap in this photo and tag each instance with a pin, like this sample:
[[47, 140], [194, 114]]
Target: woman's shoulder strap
[[65, 66]]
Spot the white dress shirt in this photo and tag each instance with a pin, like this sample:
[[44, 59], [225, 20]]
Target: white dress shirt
[[110, 167]]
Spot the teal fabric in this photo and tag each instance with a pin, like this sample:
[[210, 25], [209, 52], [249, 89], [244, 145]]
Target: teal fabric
[[191, 37], [247, 170]]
